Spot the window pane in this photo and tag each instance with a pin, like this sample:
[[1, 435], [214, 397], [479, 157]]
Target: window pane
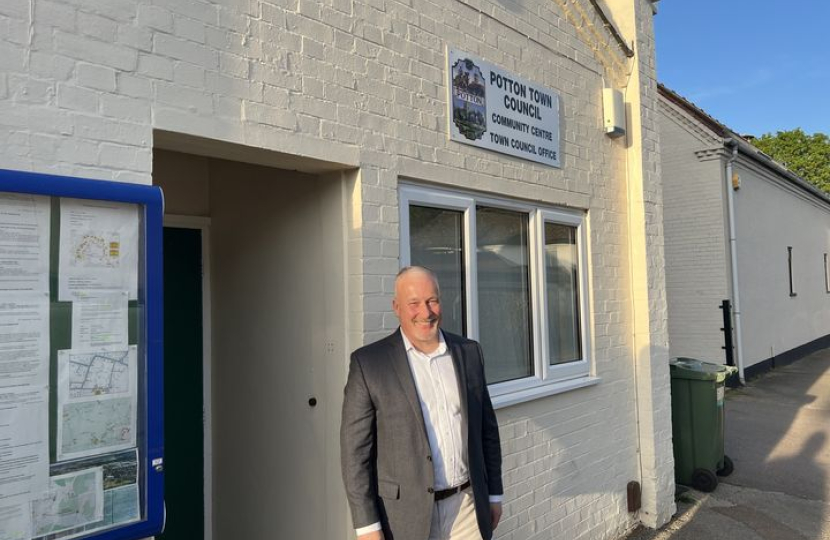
[[504, 293], [436, 241], [562, 273]]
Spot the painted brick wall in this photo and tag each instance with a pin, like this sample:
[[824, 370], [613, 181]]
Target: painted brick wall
[[697, 269], [648, 283], [769, 217], [85, 84]]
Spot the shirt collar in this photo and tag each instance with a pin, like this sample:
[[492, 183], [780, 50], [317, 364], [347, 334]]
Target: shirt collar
[[442, 346]]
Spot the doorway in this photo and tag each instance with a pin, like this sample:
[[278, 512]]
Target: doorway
[[184, 399], [275, 343]]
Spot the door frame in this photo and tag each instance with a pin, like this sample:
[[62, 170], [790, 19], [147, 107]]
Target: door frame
[[202, 224]]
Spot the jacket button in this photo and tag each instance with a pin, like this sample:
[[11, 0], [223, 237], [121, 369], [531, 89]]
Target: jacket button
[[429, 458], [430, 490]]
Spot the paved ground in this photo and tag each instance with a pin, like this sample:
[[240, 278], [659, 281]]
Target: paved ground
[[778, 435]]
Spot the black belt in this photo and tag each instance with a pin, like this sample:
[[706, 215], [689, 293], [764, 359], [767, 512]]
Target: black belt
[[444, 493]]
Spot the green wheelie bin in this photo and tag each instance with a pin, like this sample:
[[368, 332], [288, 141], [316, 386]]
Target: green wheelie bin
[[697, 392]]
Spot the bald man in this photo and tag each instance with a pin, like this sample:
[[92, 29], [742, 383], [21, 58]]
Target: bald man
[[419, 439]]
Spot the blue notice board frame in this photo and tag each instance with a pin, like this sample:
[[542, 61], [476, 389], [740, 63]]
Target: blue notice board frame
[[151, 454]]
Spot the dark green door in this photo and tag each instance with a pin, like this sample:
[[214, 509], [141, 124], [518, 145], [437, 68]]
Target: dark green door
[[183, 397]]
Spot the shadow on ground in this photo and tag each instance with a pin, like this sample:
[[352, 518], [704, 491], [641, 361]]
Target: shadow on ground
[[777, 433]]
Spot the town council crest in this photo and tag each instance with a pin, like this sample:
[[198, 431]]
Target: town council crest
[[469, 107]]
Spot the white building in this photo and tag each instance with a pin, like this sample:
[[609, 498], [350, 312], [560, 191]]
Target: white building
[[729, 206], [305, 146]]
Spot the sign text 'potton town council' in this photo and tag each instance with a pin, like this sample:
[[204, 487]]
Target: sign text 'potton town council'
[[493, 109]]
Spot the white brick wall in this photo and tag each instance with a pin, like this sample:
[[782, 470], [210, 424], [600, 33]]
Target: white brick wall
[[697, 267], [771, 216], [84, 84]]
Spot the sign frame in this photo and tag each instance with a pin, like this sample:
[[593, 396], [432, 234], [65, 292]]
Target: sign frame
[[492, 108], [150, 275]]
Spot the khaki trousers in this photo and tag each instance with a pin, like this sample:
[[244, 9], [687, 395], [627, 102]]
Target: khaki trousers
[[454, 518]]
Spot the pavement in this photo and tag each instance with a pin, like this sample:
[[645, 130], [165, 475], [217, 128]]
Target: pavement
[[778, 436]]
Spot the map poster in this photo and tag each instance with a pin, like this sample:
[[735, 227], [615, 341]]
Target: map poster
[[98, 247], [495, 109], [72, 500], [85, 375], [121, 496], [97, 402], [94, 427], [24, 242], [99, 320]]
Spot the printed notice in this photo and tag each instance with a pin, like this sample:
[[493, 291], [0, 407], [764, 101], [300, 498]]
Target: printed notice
[[15, 523], [88, 428], [98, 247], [100, 321], [94, 375], [24, 242], [72, 500], [24, 441], [121, 500], [24, 339]]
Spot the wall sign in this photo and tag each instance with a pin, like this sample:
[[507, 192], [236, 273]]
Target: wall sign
[[494, 109]]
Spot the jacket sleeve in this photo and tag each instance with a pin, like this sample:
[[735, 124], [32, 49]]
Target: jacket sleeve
[[491, 443], [358, 448]]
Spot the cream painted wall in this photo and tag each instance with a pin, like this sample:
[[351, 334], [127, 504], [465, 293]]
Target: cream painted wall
[[184, 180], [769, 218], [278, 292]]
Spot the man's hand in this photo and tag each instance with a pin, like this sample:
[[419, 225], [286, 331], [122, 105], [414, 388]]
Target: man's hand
[[374, 535], [495, 514]]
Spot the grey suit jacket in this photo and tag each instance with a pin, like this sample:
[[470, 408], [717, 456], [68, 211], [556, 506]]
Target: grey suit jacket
[[385, 453]]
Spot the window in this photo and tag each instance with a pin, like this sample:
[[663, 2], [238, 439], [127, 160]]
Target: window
[[512, 277]]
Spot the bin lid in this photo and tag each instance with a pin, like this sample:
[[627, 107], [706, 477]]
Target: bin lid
[[691, 368]]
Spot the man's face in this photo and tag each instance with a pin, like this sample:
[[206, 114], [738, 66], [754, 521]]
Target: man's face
[[418, 308]]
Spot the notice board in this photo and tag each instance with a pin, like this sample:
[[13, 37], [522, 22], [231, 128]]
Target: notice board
[[81, 451]]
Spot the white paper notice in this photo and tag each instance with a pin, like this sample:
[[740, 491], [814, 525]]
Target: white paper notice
[[24, 339], [85, 375], [24, 242], [97, 402], [98, 247], [24, 441], [99, 321], [72, 500], [15, 522]]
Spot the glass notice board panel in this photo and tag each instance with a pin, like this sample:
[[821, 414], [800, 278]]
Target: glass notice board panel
[[80, 359]]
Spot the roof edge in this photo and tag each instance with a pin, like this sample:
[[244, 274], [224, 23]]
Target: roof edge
[[744, 147]]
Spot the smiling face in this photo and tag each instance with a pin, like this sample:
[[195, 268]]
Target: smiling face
[[418, 307]]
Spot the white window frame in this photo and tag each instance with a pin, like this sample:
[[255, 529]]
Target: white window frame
[[579, 367], [547, 379]]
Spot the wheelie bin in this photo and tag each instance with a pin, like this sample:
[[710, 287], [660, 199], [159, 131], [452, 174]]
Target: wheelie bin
[[697, 392]]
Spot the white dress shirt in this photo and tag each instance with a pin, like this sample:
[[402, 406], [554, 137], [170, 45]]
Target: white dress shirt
[[446, 424]]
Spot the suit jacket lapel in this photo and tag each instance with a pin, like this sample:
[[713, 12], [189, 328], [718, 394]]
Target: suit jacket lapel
[[457, 353], [404, 373]]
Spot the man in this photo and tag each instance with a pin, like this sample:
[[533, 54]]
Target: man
[[419, 439]]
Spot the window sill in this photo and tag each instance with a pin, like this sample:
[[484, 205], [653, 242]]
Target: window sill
[[542, 390]]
